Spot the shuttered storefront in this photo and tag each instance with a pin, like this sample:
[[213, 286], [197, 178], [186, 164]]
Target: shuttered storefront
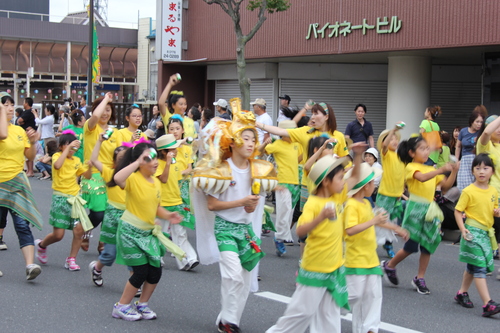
[[457, 100], [343, 97], [228, 89]]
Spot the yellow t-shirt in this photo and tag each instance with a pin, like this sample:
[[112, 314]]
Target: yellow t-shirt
[[286, 155], [90, 138], [361, 249], [166, 118], [115, 193], [64, 179], [142, 197], [302, 135], [323, 252], [422, 189], [478, 204], [170, 191], [125, 136], [184, 158], [392, 183], [189, 129], [12, 152], [494, 150]]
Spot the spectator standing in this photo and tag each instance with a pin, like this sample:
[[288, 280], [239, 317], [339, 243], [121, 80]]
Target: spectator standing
[[221, 107], [261, 116], [360, 130], [466, 144], [284, 104]]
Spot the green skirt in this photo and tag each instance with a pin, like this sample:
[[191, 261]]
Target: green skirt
[[392, 205], [304, 195], [478, 251], [427, 234], [135, 247], [60, 213], [334, 282], [188, 219], [109, 225], [94, 192], [184, 187], [238, 238]]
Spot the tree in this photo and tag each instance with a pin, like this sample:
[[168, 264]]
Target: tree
[[232, 8]]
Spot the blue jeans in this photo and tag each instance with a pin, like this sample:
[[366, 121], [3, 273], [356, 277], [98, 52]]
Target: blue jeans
[[44, 167], [108, 255], [476, 271], [21, 226]]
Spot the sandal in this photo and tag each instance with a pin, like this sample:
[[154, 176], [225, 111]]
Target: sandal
[[44, 178]]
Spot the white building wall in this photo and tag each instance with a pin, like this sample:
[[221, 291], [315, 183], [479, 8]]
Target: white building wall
[[143, 57]]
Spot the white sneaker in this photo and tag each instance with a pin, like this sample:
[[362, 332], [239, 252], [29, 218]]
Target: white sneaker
[[125, 312], [144, 310], [32, 271]]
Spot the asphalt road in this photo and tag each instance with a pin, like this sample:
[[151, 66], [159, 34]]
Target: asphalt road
[[63, 301]]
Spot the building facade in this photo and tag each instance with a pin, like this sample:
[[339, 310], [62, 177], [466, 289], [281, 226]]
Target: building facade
[[396, 57]]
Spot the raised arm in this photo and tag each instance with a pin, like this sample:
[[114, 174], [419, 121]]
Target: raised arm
[[172, 81], [272, 129], [488, 131], [99, 110], [358, 149], [121, 176], [94, 158]]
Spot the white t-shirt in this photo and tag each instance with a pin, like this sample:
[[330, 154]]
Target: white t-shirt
[[241, 188], [266, 120], [282, 117], [47, 126]]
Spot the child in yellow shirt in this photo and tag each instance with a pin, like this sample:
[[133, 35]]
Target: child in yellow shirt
[[362, 266], [321, 286], [479, 201], [65, 170]]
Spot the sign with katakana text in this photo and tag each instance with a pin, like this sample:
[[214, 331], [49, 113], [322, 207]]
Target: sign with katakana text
[[171, 30], [383, 25]]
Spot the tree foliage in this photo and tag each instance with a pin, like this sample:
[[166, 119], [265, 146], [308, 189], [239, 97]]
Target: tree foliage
[[233, 9]]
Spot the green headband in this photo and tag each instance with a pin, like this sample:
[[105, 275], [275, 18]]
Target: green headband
[[323, 105], [364, 181], [169, 145]]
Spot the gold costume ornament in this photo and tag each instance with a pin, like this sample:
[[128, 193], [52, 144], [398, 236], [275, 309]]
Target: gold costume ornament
[[212, 173]]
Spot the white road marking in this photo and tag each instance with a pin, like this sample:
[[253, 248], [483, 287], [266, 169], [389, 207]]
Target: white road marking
[[348, 316]]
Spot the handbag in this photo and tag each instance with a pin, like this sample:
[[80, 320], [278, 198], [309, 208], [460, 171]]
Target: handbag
[[433, 138]]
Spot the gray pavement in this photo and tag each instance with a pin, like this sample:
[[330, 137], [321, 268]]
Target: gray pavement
[[63, 301]]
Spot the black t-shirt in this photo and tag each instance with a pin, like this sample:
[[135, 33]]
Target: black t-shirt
[[29, 119]]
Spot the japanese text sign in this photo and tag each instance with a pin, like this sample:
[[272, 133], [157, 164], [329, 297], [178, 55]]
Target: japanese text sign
[[383, 25]]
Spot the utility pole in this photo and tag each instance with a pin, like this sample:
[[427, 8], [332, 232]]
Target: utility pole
[[90, 87]]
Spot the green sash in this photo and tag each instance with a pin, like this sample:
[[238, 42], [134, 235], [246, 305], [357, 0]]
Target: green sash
[[77, 209]]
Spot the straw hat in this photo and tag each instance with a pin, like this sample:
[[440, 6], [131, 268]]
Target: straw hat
[[323, 167], [383, 135], [149, 133], [287, 124], [167, 141], [372, 151], [366, 175]]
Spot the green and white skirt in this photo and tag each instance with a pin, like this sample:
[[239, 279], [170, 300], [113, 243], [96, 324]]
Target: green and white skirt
[[426, 233], [392, 205], [109, 226], [94, 192], [238, 238], [60, 213], [135, 247], [188, 219], [184, 187], [478, 251], [334, 283]]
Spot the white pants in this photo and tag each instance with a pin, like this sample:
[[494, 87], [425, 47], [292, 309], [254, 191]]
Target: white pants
[[180, 238], [257, 220], [284, 214], [309, 306], [235, 287], [365, 299]]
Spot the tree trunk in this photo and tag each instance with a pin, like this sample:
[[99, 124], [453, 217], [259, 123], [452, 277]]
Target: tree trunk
[[242, 79]]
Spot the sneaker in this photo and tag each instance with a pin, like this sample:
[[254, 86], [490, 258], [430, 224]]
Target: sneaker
[[71, 264], [96, 276], [32, 271], [41, 254], [125, 312], [1, 274], [464, 300], [280, 247], [228, 328], [490, 309], [390, 250], [193, 264], [389, 274], [144, 310], [138, 293], [498, 274], [3, 246], [419, 284], [289, 243]]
